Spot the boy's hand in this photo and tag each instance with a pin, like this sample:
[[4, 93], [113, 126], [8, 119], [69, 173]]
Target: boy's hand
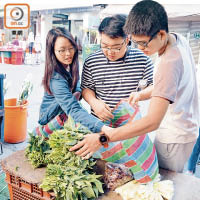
[[134, 98], [89, 145], [102, 110]]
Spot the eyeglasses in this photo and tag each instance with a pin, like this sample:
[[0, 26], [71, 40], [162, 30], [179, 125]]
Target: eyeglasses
[[114, 50], [143, 43], [62, 52]]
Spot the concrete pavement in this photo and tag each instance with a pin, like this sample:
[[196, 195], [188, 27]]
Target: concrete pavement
[[16, 74]]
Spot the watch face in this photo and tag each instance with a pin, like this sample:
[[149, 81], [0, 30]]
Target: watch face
[[103, 139]]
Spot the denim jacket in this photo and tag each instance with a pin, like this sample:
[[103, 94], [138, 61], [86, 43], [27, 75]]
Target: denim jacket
[[63, 100]]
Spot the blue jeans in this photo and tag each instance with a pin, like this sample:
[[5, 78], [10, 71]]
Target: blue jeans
[[194, 156], [31, 47]]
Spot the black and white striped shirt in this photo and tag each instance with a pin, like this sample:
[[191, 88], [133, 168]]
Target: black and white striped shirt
[[114, 80]]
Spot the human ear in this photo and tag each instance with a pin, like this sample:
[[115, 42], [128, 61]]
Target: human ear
[[163, 35], [127, 40]]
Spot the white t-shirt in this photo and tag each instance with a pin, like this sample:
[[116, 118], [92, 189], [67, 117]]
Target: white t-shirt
[[175, 80]]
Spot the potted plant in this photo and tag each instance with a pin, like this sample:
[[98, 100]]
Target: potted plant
[[15, 123]]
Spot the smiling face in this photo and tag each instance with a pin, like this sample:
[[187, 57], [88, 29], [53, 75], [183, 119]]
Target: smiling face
[[64, 50], [113, 48]]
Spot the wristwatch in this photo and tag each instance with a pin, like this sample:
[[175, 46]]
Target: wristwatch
[[104, 139]]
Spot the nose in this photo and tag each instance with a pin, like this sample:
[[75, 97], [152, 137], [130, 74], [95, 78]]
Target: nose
[[110, 52], [67, 52], [141, 47]]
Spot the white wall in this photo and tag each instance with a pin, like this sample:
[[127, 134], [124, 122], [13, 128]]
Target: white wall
[[46, 25], [188, 29]]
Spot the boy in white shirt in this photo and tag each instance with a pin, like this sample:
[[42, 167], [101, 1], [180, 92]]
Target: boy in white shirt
[[174, 109]]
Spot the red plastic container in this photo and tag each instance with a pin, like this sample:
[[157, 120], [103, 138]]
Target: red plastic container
[[17, 58], [7, 57]]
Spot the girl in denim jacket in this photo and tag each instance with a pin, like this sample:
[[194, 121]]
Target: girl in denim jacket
[[61, 86]]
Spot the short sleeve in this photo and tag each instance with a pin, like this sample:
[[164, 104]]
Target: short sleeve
[[87, 80], [167, 78]]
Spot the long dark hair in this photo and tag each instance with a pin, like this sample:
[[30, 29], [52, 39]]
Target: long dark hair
[[52, 64]]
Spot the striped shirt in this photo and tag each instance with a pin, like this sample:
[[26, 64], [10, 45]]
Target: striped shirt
[[114, 80]]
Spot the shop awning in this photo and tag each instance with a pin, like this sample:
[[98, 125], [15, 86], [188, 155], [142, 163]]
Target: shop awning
[[184, 11]]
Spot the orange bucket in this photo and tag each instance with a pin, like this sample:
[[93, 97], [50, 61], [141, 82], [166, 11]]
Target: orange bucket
[[15, 122]]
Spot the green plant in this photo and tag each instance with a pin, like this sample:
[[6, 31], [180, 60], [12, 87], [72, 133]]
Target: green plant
[[27, 87], [68, 175], [37, 150], [6, 85]]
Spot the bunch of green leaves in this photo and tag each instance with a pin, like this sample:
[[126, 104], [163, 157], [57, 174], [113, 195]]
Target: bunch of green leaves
[[71, 183], [37, 151], [61, 141], [68, 175]]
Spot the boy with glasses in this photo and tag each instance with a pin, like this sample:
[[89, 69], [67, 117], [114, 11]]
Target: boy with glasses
[[174, 108], [143, 43], [114, 71]]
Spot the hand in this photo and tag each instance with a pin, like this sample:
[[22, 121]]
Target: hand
[[89, 145], [102, 110], [134, 98]]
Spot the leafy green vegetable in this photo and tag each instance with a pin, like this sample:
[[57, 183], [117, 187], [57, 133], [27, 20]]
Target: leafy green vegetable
[[37, 150], [68, 175]]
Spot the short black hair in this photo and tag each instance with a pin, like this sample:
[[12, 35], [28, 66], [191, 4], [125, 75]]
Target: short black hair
[[146, 18], [113, 26]]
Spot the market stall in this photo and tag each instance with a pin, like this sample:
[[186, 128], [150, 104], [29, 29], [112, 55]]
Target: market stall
[[12, 55], [23, 180]]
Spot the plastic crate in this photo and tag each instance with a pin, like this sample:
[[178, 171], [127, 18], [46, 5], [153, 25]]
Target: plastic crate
[[17, 61], [7, 57], [20, 189], [7, 60], [17, 58], [23, 183], [17, 54]]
